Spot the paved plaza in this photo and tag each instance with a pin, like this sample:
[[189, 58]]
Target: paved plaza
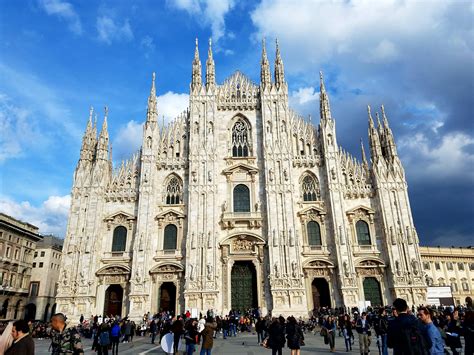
[[242, 344]]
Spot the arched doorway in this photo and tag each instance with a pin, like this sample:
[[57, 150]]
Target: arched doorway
[[243, 286], [168, 297], [17, 309], [320, 291], [113, 301], [372, 291], [53, 310], [46, 310], [30, 311]]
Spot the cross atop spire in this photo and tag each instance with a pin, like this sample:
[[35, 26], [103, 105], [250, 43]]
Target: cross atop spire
[[279, 68], [152, 109], [324, 108], [210, 68]]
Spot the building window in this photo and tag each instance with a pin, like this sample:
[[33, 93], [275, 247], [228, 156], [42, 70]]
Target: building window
[[36, 254], [309, 188], [34, 264], [241, 198], [471, 266], [9, 251], [41, 264], [314, 233], [454, 286], [426, 265], [363, 234], [170, 237], [34, 288], [174, 191], [465, 286], [240, 140], [119, 240], [449, 265], [437, 266], [17, 254], [461, 266], [42, 253]]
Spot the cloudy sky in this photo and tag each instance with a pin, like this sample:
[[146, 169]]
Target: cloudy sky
[[60, 57]]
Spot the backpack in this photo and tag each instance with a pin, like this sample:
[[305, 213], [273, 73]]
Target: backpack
[[104, 339], [115, 332], [413, 341]]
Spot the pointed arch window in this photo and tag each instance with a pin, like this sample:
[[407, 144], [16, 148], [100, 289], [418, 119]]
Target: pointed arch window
[[314, 233], [170, 237], [240, 140], [363, 234], [241, 198], [174, 191], [119, 240], [309, 188]]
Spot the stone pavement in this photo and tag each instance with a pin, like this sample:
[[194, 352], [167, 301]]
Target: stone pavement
[[242, 344]]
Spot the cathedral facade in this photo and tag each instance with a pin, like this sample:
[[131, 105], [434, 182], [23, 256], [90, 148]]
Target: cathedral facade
[[239, 203]]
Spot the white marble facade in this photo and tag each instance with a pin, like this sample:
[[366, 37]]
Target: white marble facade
[[238, 187]]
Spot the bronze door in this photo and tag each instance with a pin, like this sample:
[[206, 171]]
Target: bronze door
[[243, 286], [113, 301], [372, 291]]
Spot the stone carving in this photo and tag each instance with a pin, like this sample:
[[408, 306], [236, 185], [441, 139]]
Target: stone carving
[[270, 174], [209, 240], [285, 174], [397, 267], [193, 241], [409, 236], [242, 245], [257, 206], [346, 269], [342, 237], [209, 271], [276, 268], [275, 238], [415, 266], [191, 272], [392, 236], [293, 269], [291, 238]]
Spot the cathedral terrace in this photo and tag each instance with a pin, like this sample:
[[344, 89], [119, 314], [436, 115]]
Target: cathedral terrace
[[239, 203]]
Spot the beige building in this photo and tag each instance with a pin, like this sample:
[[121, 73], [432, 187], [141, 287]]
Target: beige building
[[240, 202], [450, 267], [17, 245], [44, 276]]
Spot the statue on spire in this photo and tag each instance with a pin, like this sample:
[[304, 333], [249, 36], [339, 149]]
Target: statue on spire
[[152, 109], [265, 77], [324, 109]]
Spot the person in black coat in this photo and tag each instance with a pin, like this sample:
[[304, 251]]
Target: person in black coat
[[294, 335], [276, 335], [23, 343]]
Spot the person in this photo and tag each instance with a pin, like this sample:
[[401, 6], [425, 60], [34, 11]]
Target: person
[[347, 332], [380, 326], [259, 327], [468, 327], [404, 332], [63, 338], [363, 328], [208, 336], [103, 337], [294, 336], [276, 336], [23, 343], [6, 339], [453, 330], [153, 330], [191, 336], [178, 330], [329, 327], [437, 343], [115, 337]]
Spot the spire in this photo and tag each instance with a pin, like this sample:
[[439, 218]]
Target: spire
[[279, 69], [103, 144], [374, 141], [265, 77], [152, 110], [196, 81], [388, 134], [324, 109], [364, 158], [371, 121], [210, 68], [385, 120], [88, 139]]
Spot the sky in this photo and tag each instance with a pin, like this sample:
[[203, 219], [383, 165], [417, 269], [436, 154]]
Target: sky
[[58, 58]]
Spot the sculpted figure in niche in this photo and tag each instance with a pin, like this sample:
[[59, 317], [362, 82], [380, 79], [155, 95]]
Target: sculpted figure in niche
[[397, 267], [293, 268], [193, 241], [346, 269], [270, 174], [209, 240], [65, 278], [224, 206], [285, 174], [257, 206], [275, 238], [277, 270], [291, 238], [209, 271], [409, 237], [191, 272], [392, 236], [414, 265]]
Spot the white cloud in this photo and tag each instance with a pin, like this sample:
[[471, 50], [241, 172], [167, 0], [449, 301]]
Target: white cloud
[[50, 217], [450, 159], [65, 11], [108, 30], [210, 11], [128, 140], [305, 95], [172, 104]]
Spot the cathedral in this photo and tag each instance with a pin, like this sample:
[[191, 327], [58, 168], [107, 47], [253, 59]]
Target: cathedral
[[239, 203]]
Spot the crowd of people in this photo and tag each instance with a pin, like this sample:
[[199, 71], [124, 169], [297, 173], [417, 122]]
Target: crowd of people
[[421, 330]]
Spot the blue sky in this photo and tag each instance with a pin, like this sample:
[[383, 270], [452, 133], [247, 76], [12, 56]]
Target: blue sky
[[57, 58]]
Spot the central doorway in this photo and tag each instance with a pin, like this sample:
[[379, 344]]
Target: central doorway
[[372, 291], [320, 291], [244, 286], [113, 301], [167, 297]]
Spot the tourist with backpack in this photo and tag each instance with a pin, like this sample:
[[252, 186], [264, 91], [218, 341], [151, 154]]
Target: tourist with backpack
[[103, 337], [404, 333]]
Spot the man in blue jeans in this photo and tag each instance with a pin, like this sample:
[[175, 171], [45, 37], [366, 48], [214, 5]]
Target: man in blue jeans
[[381, 327]]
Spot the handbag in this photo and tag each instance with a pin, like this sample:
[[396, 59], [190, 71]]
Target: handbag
[[302, 343]]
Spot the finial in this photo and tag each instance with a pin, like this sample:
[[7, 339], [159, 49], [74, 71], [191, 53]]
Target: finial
[[368, 111], [385, 119], [153, 77], [196, 41], [210, 42], [277, 48], [91, 112], [378, 119], [321, 82], [106, 111]]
